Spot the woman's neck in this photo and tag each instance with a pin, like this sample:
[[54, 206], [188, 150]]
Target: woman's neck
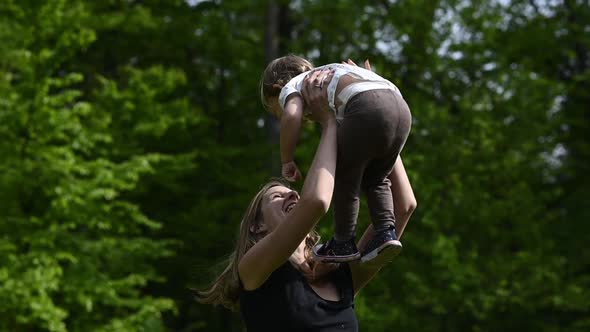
[[298, 260], [298, 256]]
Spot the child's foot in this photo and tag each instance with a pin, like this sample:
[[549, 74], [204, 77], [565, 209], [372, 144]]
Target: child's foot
[[335, 251], [382, 248]]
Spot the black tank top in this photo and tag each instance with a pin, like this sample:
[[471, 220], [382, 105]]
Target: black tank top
[[286, 302]]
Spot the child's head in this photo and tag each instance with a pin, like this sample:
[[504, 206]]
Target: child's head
[[278, 73]]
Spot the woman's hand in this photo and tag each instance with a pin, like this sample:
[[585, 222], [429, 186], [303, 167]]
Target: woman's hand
[[314, 92], [352, 63]]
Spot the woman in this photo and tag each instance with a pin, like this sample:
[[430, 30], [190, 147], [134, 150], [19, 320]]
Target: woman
[[272, 277]]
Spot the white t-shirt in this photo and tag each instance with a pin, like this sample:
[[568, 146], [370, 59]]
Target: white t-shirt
[[370, 81]]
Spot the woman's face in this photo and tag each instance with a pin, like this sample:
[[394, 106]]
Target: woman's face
[[277, 203]]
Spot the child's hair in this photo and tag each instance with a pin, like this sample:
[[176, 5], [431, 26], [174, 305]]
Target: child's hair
[[280, 71]]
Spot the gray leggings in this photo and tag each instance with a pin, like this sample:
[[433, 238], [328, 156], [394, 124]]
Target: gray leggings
[[373, 131]]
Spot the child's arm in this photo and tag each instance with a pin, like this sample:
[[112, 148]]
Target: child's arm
[[290, 127]]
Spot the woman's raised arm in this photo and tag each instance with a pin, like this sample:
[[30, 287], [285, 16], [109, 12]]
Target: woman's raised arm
[[275, 248], [404, 203]]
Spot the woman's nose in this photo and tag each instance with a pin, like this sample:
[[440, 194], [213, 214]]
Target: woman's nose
[[293, 193]]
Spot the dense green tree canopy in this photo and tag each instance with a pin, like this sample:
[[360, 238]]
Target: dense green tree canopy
[[132, 138]]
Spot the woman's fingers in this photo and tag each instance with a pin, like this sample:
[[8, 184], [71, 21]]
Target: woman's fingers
[[317, 77], [349, 62], [326, 78], [352, 63], [309, 84], [315, 84]]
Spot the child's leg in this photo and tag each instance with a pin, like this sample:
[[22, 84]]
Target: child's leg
[[342, 247], [350, 166], [384, 245], [347, 186], [355, 150], [377, 188], [375, 183]]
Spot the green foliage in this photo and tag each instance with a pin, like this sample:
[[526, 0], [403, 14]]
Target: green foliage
[[132, 138], [76, 252]]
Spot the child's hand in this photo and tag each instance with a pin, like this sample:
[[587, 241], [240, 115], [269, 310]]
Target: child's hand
[[290, 171]]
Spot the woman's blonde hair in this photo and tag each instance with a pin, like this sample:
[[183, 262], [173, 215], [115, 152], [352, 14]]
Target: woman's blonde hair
[[226, 288], [280, 71]]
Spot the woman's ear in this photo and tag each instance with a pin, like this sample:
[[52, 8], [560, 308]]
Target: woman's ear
[[258, 228], [276, 87]]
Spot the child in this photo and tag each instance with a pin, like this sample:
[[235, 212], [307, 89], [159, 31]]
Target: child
[[373, 125]]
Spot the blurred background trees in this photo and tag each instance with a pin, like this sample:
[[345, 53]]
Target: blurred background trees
[[132, 138]]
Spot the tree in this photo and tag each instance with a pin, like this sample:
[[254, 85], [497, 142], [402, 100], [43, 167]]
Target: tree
[[76, 251]]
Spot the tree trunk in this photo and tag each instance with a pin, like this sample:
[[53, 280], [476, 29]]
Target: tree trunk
[[276, 34]]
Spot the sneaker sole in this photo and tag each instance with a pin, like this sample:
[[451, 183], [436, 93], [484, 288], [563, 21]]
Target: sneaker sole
[[334, 259], [383, 254]]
